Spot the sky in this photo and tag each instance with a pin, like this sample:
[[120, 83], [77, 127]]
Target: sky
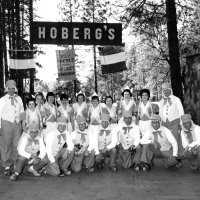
[[48, 11]]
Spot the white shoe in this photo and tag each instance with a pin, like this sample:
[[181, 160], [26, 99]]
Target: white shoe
[[33, 171]]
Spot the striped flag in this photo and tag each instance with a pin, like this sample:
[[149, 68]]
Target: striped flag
[[21, 59], [112, 59]]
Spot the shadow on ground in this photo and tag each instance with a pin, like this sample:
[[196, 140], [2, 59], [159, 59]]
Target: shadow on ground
[[158, 184]]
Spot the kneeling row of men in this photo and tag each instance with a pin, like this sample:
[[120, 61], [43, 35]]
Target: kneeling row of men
[[62, 152]]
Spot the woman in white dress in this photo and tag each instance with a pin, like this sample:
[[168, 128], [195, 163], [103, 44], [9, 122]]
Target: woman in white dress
[[144, 112], [127, 104], [80, 108], [64, 110], [32, 115], [39, 97], [110, 109], [95, 111], [50, 113]]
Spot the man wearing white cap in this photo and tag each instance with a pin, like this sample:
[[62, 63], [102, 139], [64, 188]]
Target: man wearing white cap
[[129, 139], [31, 148], [80, 138], [190, 135], [158, 141], [59, 156], [171, 110], [105, 141], [11, 107]]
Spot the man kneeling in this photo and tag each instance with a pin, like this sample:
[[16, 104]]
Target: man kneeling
[[81, 141], [105, 142], [59, 148], [190, 136], [31, 150], [158, 141]]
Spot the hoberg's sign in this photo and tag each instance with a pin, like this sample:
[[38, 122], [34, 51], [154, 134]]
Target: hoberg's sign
[[76, 33]]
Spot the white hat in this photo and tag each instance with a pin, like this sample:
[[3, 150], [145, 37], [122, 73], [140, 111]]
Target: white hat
[[10, 84]]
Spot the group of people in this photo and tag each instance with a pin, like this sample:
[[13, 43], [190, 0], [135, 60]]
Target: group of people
[[61, 139]]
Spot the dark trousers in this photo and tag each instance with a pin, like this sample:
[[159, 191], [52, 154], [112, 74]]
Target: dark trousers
[[129, 158], [112, 154], [22, 161], [149, 151]]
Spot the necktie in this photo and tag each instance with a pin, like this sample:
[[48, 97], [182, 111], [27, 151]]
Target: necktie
[[106, 131], [189, 136], [31, 140], [83, 138], [13, 99], [62, 135], [156, 133], [168, 99], [127, 129]]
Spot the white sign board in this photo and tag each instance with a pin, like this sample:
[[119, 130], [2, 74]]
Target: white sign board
[[66, 64]]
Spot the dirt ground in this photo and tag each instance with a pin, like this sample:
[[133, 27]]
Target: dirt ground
[[158, 184]]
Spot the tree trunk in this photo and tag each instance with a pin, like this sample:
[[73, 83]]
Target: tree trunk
[[174, 49]]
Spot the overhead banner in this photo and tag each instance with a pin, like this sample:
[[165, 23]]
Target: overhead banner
[[112, 59], [21, 59], [76, 33], [66, 64]]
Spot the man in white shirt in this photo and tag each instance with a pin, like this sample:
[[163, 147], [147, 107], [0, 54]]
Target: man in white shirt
[[171, 110], [190, 135], [59, 149], [104, 147], [81, 140], [158, 141], [129, 139], [11, 107], [31, 148]]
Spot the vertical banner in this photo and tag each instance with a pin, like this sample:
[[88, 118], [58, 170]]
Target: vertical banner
[[66, 64]]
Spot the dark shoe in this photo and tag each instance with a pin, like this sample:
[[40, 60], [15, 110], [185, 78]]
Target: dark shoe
[[91, 169], [113, 169], [178, 165], [62, 174], [7, 172], [65, 173], [100, 165], [14, 177]]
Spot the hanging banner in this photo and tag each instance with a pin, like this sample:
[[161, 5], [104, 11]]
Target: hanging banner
[[66, 64], [21, 59], [76, 33], [112, 59]]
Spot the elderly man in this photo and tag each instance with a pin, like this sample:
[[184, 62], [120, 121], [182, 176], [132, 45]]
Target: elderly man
[[106, 141], [158, 141], [11, 107], [171, 110], [31, 150], [129, 139], [59, 149], [190, 135], [81, 139]]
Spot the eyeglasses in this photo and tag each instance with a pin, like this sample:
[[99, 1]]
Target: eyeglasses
[[155, 122]]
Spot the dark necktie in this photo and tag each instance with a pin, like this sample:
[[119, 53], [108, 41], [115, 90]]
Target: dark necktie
[[127, 129], [83, 138], [106, 131], [168, 99], [189, 136], [62, 135], [31, 140]]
